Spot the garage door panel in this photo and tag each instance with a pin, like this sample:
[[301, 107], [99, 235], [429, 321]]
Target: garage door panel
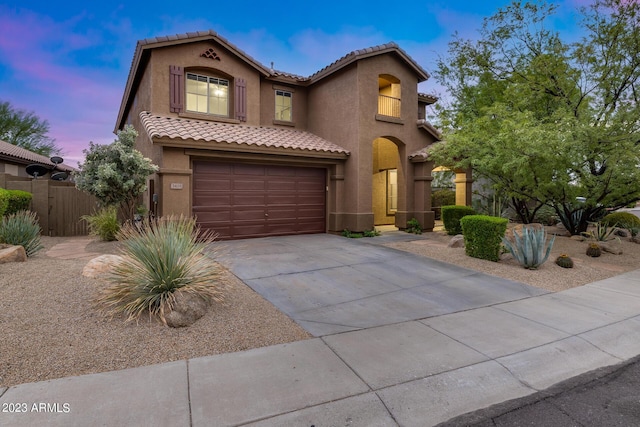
[[244, 200]]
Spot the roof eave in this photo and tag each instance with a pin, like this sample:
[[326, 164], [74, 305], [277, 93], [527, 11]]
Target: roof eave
[[246, 148]]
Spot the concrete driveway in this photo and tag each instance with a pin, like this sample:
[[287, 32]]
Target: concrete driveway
[[330, 284]]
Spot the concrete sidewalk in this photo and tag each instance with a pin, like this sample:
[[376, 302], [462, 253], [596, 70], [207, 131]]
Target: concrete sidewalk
[[417, 372]]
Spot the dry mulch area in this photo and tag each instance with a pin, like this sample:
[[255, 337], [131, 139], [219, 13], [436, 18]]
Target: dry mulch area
[[50, 329], [549, 276]]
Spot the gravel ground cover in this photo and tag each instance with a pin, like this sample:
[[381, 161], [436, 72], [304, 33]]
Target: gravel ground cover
[[549, 276], [50, 329]]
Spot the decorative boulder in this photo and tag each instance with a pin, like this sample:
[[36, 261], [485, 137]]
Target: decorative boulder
[[456, 241], [611, 248], [100, 265], [186, 310], [11, 253]]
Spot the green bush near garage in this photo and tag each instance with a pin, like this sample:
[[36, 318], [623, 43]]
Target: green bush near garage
[[483, 235], [18, 201], [451, 215]]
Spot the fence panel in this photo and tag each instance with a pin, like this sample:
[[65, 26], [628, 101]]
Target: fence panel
[[59, 205]]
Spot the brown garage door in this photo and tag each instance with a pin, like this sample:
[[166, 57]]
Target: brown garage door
[[244, 200]]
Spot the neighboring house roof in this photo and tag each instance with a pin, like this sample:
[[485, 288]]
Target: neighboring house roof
[[172, 128], [143, 48], [23, 156]]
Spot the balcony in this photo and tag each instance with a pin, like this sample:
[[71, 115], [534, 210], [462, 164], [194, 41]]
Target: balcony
[[388, 106]]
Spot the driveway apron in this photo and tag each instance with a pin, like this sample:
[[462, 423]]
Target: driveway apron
[[330, 284]]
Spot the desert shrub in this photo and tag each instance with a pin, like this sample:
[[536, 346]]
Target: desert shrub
[[624, 220], [482, 235], [546, 215], [21, 228], [4, 201], [104, 223], [600, 232], [18, 201], [161, 259], [413, 226], [451, 217], [530, 249]]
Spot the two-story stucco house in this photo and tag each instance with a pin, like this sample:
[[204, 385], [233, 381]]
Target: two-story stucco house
[[251, 151]]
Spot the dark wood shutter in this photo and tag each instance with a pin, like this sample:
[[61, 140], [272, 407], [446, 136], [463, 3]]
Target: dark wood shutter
[[241, 100], [176, 89]]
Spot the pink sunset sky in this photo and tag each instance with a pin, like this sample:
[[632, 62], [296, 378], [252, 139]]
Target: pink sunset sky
[[68, 62]]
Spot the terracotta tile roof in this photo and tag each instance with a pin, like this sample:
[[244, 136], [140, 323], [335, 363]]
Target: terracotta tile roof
[[427, 97], [24, 156], [364, 53], [423, 124], [204, 131]]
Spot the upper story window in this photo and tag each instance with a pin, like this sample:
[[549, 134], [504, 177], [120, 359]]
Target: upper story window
[[207, 94], [284, 105], [388, 95]]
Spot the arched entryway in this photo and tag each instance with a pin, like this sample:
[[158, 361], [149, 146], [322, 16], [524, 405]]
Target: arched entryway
[[387, 182]]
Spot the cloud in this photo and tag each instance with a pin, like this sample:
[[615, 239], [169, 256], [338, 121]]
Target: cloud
[[47, 74]]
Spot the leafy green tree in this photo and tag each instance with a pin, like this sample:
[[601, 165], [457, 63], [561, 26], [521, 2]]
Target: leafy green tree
[[26, 130], [116, 173], [548, 122]]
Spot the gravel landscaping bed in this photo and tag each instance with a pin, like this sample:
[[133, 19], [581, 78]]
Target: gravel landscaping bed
[[50, 329], [549, 276]]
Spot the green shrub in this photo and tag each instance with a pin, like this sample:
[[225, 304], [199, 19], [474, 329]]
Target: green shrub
[[21, 228], [451, 217], [531, 249], [18, 201], [624, 220], [413, 226], [4, 201], [444, 197], [482, 235], [546, 215], [161, 259], [104, 223]]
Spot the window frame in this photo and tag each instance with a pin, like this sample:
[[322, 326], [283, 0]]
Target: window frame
[[279, 108], [213, 82]]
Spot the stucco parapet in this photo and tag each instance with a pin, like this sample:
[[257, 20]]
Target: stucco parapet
[[167, 171]]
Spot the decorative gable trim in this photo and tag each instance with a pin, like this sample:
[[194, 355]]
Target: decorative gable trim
[[176, 89], [211, 54]]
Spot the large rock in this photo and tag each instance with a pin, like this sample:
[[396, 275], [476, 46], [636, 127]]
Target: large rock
[[11, 253], [611, 247], [186, 310], [100, 265], [456, 241]]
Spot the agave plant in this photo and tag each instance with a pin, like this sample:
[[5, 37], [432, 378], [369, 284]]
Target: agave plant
[[160, 260], [530, 249]]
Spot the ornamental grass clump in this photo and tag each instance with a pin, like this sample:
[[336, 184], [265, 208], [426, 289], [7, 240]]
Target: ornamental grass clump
[[160, 261], [103, 223], [530, 249], [21, 228]]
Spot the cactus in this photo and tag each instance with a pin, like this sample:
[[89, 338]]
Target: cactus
[[564, 261], [593, 250], [531, 249]]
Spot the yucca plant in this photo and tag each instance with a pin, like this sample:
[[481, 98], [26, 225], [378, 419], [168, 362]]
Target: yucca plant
[[601, 232], [21, 228], [160, 260], [104, 223], [530, 249]]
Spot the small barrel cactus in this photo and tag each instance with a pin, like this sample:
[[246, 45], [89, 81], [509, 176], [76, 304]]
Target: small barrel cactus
[[593, 250], [564, 261]]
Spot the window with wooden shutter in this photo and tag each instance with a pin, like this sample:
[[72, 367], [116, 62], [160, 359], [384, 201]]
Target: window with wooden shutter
[[176, 89], [241, 100]]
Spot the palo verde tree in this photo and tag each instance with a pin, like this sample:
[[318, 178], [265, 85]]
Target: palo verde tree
[[116, 173], [26, 130], [546, 121]]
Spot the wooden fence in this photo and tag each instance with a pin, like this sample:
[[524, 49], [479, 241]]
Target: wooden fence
[[58, 204]]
